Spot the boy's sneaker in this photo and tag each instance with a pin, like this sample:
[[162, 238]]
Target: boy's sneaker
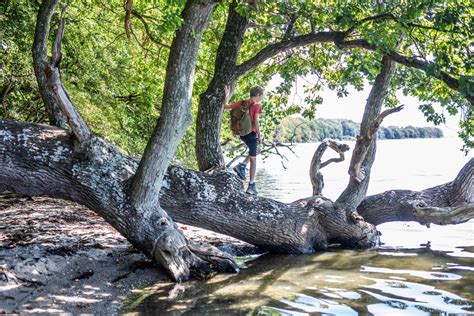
[[252, 189], [240, 170]]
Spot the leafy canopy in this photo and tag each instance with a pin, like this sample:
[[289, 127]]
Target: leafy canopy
[[115, 59]]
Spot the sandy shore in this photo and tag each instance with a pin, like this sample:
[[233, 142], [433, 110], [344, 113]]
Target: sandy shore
[[58, 257]]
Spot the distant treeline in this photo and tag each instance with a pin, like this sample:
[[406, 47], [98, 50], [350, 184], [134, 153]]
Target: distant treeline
[[319, 129]]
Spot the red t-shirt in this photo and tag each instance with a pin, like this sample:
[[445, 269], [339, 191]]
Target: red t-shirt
[[255, 109]]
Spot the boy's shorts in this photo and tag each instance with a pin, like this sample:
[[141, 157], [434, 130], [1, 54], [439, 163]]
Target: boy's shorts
[[251, 140]]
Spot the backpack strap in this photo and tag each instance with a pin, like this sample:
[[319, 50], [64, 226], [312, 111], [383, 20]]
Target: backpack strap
[[251, 121]]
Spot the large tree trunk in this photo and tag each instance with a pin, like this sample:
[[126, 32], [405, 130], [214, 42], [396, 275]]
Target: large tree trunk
[[450, 203], [167, 244], [41, 160], [209, 117]]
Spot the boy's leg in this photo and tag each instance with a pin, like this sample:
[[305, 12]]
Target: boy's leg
[[252, 188], [253, 168], [252, 157], [240, 168]]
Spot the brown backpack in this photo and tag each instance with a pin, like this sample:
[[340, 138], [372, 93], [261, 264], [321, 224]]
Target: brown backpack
[[240, 122]]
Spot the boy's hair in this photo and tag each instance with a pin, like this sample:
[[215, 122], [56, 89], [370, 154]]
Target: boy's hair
[[257, 90]]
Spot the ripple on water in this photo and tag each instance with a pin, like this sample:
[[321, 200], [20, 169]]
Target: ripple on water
[[312, 304], [398, 254], [455, 266], [421, 274], [413, 298]]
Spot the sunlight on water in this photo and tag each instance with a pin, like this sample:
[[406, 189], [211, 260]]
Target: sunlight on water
[[412, 297], [417, 270]]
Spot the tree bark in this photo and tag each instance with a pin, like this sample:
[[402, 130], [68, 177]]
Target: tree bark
[[48, 164], [363, 155], [41, 63], [449, 203], [209, 117], [176, 113], [48, 74], [41, 160]]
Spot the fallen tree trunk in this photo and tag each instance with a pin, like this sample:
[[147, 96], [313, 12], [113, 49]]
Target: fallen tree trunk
[[42, 160]]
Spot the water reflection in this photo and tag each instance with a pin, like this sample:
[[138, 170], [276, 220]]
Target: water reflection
[[341, 282]]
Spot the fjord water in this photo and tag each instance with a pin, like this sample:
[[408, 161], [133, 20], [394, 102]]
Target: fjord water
[[417, 270]]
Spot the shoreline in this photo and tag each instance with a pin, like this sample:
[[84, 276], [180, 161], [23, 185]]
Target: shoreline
[[59, 257]]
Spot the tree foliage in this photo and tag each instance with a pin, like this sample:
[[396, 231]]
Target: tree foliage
[[115, 57]]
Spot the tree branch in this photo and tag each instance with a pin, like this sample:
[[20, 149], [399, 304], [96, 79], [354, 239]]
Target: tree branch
[[127, 24], [390, 16], [463, 186], [40, 60], [378, 121], [56, 52], [384, 16], [277, 48], [294, 132], [444, 215], [364, 151], [147, 29], [317, 179], [449, 203], [176, 104], [412, 62], [340, 149], [48, 73]]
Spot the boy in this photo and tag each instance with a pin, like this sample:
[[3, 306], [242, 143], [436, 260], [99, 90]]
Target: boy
[[253, 138]]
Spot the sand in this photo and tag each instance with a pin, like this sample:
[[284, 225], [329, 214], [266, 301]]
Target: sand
[[59, 257]]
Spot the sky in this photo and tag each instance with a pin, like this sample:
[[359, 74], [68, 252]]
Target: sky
[[352, 108]]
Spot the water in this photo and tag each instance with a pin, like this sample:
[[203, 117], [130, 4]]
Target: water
[[417, 271]]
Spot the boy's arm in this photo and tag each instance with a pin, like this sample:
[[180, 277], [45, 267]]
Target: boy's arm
[[226, 98], [257, 127]]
